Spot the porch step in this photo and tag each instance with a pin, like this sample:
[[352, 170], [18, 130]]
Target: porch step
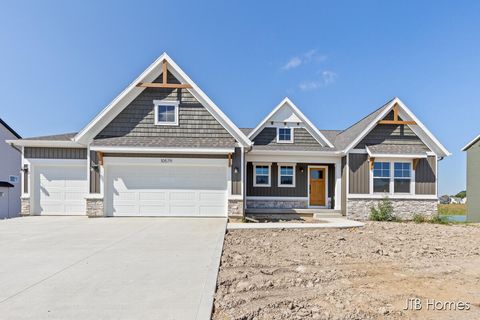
[[316, 213]]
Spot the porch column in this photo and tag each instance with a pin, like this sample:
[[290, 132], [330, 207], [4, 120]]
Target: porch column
[[338, 184]]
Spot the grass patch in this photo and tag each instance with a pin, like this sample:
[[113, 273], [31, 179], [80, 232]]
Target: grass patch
[[452, 209], [419, 218]]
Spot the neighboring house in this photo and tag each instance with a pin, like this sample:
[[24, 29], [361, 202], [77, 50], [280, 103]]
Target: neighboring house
[[9, 173], [457, 200], [445, 199], [473, 179], [163, 148]]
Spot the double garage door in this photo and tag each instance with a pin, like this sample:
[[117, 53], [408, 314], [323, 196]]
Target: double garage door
[[166, 190], [179, 187]]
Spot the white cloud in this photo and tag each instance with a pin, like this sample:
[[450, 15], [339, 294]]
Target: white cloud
[[292, 63], [327, 77], [307, 57]]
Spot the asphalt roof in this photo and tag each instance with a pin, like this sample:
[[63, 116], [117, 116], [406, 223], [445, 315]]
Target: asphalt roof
[[397, 149], [164, 142]]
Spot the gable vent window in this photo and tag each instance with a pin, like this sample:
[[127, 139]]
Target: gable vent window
[[284, 135], [166, 112]]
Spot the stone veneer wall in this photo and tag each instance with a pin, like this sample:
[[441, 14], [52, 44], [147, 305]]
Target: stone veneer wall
[[235, 208], [359, 209], [277, 204], [95, 208], [25, 206]]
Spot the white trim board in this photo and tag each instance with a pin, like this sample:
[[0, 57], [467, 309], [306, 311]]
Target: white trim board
[[132, 91], [468, 145], [46, 143], [309, 126]]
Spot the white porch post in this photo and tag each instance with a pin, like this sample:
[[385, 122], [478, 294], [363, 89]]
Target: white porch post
[[338, 184]]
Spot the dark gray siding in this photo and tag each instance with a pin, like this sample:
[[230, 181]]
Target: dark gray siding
[[392, 135], [359, 173], [137, 119], [425, 176], [25, 181], [344, 185], [301, 182], [94, 173], [55, 153], [237, 177], [268, 136]]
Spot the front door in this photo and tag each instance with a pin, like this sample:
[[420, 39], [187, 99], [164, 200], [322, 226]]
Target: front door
[[317, 187]]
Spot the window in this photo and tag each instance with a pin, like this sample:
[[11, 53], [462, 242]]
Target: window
[[166, 112], [286, 176], [13, 179], [381, 177], [262, 176], [284, 135], [402, 177]]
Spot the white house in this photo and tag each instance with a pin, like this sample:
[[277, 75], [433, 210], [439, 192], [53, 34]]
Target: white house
[[10, 162]]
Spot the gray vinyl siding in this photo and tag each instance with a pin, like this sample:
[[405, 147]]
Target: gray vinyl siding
[[392, 135], [94, 173], [344, 185], [359, 173], [301, 182], [237, 177], [473, 183], [268, 136], [25, 181], [426, 176], [54, 153], [138, 118]]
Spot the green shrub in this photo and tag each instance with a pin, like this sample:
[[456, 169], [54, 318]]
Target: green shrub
[[383, 211], [419, 218], [438, 219]]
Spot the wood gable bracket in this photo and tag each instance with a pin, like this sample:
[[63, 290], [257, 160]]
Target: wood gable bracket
[[372, 162], [415, 163], [164, 83], [395, 118]]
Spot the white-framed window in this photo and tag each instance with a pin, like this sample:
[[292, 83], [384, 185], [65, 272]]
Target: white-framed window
[[284, 135], [381, 177], [402, 174], [392, 177], [166, 112], [261, 175], [286, 175], [13, 179]]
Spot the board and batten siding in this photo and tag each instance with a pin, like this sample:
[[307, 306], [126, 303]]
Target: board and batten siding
[[359, 173], [94, 173], [138, 118], [54, 153], [344, 185], [426, 176], [237, 176]]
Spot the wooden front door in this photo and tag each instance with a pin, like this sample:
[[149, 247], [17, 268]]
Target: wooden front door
[[317, 186]]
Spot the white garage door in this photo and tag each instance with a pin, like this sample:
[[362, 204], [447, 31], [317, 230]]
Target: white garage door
[[169, 189], [60, 190]]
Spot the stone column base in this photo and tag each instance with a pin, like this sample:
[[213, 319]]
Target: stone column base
[[277, 204], [404, 209], [95, 208], [25, 207], [235, 208]]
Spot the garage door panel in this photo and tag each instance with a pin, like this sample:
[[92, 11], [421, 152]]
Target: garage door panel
[[60, 189], [166, 190]]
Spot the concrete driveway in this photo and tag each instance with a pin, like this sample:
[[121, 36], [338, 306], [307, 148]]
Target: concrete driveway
[[109, 268]]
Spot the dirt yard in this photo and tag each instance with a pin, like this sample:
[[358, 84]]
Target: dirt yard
[[364, 273]]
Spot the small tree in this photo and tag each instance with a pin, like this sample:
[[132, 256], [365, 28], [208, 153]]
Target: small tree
[[461, 194], [383, 211]]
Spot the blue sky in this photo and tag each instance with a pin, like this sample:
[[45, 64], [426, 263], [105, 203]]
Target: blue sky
[[61, 62]]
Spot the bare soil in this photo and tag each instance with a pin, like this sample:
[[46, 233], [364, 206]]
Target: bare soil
[[362, 273]]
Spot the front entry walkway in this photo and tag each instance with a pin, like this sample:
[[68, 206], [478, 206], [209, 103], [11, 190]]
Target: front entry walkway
[[110, 268]]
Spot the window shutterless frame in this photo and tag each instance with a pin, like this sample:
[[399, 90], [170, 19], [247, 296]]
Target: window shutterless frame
[[288, 171], [265, 170], [282, 133], [165, 103], [392, 176]]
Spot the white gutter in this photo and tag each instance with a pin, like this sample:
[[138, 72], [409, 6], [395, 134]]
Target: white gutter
[[111, 149], [45, 143]]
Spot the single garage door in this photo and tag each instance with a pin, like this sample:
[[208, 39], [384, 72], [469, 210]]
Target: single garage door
[[168, 189], [60, 190]]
